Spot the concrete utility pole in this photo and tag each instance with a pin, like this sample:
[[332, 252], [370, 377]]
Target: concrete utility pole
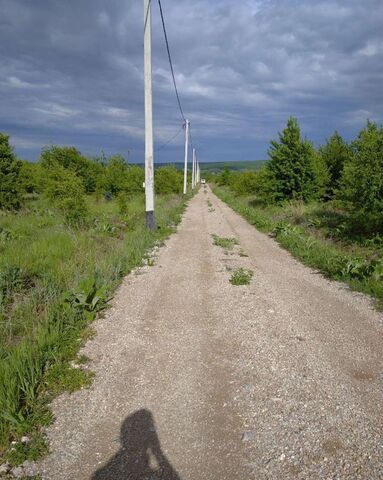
[[194, 170], [149, 168], [187, 126]]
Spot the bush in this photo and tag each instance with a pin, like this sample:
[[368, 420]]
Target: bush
[[135, 177], [225, 178], [10, 187], [66, 191], [71, 159], [168, 180], [259, 183], [29, 177], [245, 183], [115, 175]]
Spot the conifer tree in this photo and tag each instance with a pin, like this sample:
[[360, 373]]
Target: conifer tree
[[362, 181], [335, 154], [295, 169]]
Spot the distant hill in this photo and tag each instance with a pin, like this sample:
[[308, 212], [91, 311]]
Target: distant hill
[[217, 167]]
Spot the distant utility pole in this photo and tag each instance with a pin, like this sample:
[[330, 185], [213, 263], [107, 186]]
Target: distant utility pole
[[187, 126], [198, 173], [193, 170], [149, 169]]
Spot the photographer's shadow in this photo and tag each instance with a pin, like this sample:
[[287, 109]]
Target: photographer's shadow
[[140, 456]]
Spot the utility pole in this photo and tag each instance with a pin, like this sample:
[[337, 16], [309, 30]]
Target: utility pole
[[194, 170], [149, 168], [187, 126]]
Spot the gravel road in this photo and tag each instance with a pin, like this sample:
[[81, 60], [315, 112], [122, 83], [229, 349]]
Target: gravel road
[[198, 379]]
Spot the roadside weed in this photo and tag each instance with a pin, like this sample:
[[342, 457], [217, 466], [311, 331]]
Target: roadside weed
[[223, 242], [241, 276]]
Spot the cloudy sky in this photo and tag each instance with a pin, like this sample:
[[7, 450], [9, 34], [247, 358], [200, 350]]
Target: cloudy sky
[[71, 73]]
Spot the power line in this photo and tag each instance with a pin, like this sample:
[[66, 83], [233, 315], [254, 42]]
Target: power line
[[170, 61], [170, 140], [191, 139]]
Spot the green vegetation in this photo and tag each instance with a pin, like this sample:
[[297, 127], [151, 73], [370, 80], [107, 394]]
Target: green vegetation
[[324, 206], [168, 180], [240, 166], [227, 243], [77, 228], [10, 191], [241, 276], [294, 169]]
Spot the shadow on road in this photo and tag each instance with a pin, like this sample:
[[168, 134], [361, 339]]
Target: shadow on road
[[140, 456]]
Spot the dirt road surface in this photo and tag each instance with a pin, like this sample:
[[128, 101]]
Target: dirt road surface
[[198, 379]]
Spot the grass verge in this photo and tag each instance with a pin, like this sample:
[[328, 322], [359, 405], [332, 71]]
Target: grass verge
[[307, 232], [53, 282]]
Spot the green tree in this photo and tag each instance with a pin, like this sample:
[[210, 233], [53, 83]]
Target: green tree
[[66, 192], [30, 177], [226, 177], [168, 180], [115, 175], [296, 171], [135, 177], [335, 154], [71, 159], [244, 183], [10, 187], [362, 181]]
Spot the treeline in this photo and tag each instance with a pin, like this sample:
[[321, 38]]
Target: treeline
[[64, 176], [348, 173]]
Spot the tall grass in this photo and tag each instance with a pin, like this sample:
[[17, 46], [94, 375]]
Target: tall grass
[[53, 281]]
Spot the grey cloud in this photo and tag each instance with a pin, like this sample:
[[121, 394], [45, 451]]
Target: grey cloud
[[71, 72]]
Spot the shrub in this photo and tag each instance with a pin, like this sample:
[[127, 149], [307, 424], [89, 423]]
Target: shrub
[[115, 175], [71, 159], [168, 180], [135, 177], [10, 187], [66, 191], [225, 178], [29, 177], [259, 183], [245, 183]]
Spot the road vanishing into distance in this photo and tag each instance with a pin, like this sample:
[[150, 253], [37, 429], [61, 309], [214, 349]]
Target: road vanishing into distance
[[199, 379]]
